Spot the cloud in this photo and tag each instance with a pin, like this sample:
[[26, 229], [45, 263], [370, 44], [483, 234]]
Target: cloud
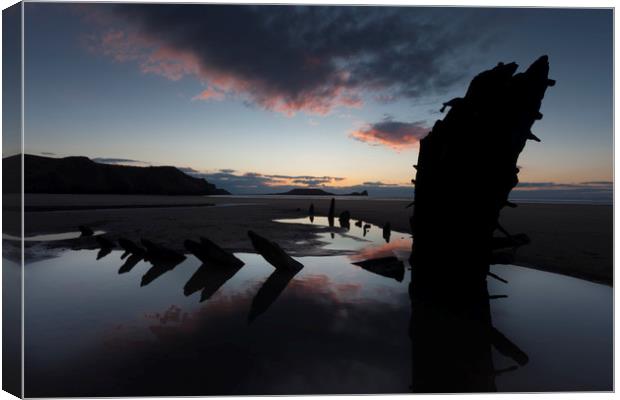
[[254, 182], [295, 58], [394, 134], [118, 161], [382, 184], [597, 183], [188, 170], [597, 192], [257, 183], [209, 94], [592, 185], [537, 185]]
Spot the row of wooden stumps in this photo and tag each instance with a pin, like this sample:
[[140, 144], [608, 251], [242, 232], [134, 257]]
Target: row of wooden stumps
[[344, 219], [389, 266], [466, 168]]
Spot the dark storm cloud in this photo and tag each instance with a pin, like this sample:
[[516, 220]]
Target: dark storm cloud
[[293, 58], [397, 135]]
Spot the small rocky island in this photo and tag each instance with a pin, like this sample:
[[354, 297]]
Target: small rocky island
[[318, 192]]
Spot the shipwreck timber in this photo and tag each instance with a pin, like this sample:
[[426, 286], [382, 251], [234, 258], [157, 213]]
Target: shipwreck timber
[[466, 168]]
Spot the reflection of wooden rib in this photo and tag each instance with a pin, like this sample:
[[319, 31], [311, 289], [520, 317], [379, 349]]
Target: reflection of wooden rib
[[104, 251], [162, 259], [131, 262], [507, 348], [273, 253], [209, 278], [158, 269], [269, 291], [492, 275], [390, 267]]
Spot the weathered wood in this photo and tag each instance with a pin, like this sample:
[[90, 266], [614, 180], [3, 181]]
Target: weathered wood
[[332, 212], [390, 267], [130, 247], [273, 253], [157, 252], [210, 253], [85, 230], [345, 220], [472, 155], [467, 166], [387, 232]]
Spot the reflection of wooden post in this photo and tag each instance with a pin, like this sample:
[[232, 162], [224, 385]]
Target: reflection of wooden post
[[451, 347], [467, 166]]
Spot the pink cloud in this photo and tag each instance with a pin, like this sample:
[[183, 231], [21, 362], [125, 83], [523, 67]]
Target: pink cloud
[[161, 59], [209, 94], [393, 134]]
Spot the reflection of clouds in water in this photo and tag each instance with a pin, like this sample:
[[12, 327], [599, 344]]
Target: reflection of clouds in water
[[310, 341], [393, 248]]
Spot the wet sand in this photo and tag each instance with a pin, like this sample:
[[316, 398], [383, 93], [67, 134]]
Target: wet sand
[[575, 240]]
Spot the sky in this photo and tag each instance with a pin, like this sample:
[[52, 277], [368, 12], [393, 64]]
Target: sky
[[256, 98]]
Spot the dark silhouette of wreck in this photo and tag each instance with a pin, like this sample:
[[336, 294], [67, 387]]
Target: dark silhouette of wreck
[[133, 254], [218, 267], [105, 246], [467, 166], [286, 269], [390, 267], [162, 258]]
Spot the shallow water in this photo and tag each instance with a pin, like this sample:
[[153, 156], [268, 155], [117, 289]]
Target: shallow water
[[334, 327], [50, 237]]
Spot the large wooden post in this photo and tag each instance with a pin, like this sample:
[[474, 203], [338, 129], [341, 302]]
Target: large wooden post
[[467, 166]]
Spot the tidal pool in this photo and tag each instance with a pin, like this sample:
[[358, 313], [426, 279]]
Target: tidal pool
[[98, 328], [51, 237]]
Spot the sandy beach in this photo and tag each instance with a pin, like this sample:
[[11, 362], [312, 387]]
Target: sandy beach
[[574, 240]]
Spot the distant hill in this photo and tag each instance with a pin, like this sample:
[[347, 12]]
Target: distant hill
[[318, 192], [83, 175]]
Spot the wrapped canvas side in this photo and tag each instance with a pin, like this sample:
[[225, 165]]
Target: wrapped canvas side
[[12, 195]]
